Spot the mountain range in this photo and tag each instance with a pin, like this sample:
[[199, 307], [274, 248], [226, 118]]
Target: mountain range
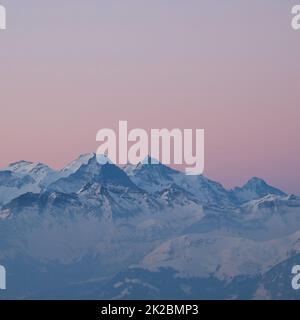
[[92, 231]]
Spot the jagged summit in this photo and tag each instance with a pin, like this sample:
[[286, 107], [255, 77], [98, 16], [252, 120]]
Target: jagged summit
[[87, 169], [255, 188], [41, 173], [20, 163], [149, 175], [77, 163], [187, 229], [27, 167], [255, 181]]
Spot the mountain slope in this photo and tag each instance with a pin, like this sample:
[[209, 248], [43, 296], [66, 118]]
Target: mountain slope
[[41, 173], [14, 184], [99, 231], [90, 171], [158, 177]]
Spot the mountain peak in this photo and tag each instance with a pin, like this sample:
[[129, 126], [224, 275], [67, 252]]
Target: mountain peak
[[150, 160], [147, 166], [255, 188], [73, 166], [88, 169], [21, 163], [28, 167], [254, 181]]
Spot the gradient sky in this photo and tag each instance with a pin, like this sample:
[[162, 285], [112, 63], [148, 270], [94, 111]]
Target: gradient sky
[[69, 68]]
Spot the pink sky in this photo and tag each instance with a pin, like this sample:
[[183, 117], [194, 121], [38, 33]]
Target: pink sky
[[69, 68]]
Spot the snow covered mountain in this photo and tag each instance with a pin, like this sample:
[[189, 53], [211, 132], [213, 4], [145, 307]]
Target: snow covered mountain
[[224, 257], [89, 172], [159, 177], [39, 172], [254, 189], [210, 266], [22, 177], [142, 231], [13, 185]]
